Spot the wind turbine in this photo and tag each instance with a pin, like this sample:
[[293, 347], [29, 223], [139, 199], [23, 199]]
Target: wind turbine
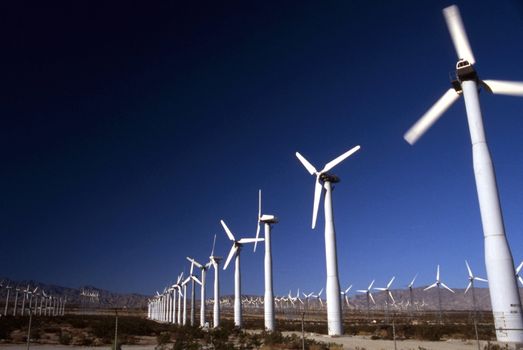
[[184, 286], [24, 296], [437, 284], [203, 270], [193, 279], [324, 180], [8, 287], [368, 294], [470, 286], [268, 305], [178, 286], [318, 297], [235, 252], [17, 289], [389, 294], [215, 262], [411, 292], [345, 294], [504, 293]]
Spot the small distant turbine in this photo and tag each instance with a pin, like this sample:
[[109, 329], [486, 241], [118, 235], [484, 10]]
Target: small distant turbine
[[178, 285], [470, 286], [235, 252], [345, 295], [389, 294], [437, 284], [369, 296], [411, 292], [324, 181], [268, 305], [203, 272], [504, 293], [215, 262], [8, 287]]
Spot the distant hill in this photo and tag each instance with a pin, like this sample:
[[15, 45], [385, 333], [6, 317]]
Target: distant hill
[[93, 297], [83, 296]]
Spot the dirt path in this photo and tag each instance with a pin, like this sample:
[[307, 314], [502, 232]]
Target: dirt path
[[365, 343]]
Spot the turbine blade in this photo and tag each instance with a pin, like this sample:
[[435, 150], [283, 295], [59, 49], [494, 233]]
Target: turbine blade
[[259, 216], [347, 290], [250, 240], [446, 287], [339, 159], [480, 279], [382, 289], [321, 291], [310, 168], [437, 274], [392, 280], [520, 280], [213, 243], [431, 286], [257, 235], [372, 298], [502, 87], [458, 34], [519, 267], [227, 231], [195, 279], [370, 285], [468, 268], [317, 197], [431, 116], [468, 287], [391, 297], [412, 282], [232, 252]]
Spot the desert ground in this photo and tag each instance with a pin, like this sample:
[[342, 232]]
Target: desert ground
[[348, 342]]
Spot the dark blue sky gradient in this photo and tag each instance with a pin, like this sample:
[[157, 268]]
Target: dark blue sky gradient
[[128, 131]]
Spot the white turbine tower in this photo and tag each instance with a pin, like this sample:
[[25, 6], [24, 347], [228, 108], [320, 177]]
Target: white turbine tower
[[215, 262], [504, 293], [437, 284], [268, 303], [334, 318], [235, 252]]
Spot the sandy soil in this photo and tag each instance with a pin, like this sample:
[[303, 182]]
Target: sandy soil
[[348, 342], [365, 343]]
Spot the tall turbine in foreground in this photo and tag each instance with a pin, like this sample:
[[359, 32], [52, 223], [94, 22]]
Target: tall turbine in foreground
[[504, 294], [235, 252], [268, 300], [324, 180]]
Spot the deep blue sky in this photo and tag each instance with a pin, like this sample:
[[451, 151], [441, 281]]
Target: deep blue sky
[[128, 131]]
